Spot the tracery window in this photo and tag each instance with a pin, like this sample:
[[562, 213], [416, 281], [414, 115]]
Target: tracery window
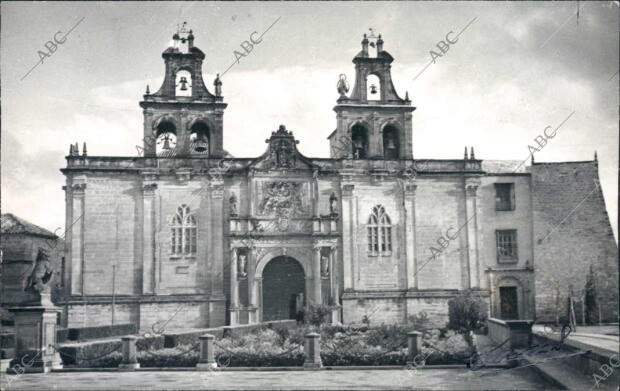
[[183, 232], [379, 232]]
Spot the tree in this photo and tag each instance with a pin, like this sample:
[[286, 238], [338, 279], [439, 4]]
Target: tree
[[467, 313]]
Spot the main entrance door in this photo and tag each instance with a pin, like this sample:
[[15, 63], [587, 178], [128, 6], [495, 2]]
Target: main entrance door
[[283, 288]]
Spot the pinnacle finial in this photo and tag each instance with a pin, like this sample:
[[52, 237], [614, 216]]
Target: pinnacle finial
[[84, 150], [472, 156], [465, 154], [148, 91], [70, 149], [595, 156], [76, 149], [406, 95]]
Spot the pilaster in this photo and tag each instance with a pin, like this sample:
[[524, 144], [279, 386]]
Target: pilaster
[[77, 238], [409, 227], [347, 233], [471, 216], [148, 238]]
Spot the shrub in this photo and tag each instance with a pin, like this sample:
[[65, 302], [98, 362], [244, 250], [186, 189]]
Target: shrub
[[389, 337], [419, 321], [467, 312], [318, 314]]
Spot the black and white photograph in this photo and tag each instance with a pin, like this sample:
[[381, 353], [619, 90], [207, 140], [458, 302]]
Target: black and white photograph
[[309, 195]]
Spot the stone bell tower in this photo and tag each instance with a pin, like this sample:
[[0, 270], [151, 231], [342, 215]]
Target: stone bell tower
[[183, 118], [373, 122]]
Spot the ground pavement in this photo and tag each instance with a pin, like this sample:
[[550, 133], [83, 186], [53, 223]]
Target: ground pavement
[[393, 379]]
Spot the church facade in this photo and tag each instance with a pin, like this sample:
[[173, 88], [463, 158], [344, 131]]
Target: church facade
[[188, 235]]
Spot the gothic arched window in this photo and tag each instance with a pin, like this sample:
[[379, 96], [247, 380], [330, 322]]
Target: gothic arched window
[[379, 231], [183, 232]]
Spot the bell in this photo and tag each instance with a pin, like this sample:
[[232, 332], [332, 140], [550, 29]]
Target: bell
[[373, 89], [391, 144], [166, 144], [183, 83]]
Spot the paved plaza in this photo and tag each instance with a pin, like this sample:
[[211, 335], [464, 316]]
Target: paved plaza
[[427, 379]]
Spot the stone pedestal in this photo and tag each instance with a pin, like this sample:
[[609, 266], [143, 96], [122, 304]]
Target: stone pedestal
[[130, 354], [313, 351], [35, 339], [207, 357]]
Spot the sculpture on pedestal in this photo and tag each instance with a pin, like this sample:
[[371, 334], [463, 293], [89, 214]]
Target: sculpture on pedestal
[[242, 266], [324, 267], [41, 274], [333, 204], [233, 204]]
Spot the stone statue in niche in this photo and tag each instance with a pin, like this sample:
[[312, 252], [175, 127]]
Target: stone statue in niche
[[333, 204], [324, 267], [41, 274], [232, 202], [242, 266]]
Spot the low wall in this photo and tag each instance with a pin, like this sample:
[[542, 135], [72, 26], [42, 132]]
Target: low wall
[[80, 353], [517, 332]]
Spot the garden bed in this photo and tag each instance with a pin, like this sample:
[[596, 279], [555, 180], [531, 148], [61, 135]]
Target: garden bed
[[283, 347]]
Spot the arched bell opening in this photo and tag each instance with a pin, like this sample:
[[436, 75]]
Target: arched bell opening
[[391, 144], [373, 87], [200, 138], [359, 138], [166, 136], [183, 83]]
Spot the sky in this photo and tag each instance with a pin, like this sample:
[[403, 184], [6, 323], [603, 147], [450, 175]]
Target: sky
[[517, 68]]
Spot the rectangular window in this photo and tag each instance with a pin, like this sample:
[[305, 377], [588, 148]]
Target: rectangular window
[[504, 196], [506, 241]]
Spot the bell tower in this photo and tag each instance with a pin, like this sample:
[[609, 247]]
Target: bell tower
[[373, 122], [183, 118]]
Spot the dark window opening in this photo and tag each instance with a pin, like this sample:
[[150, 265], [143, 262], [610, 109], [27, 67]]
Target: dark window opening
[[504, 196], [391, 146], [506, 241], [359, 136], [199, 138]]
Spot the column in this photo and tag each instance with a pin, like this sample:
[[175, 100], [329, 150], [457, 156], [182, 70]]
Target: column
[[148, 238], [216, 252], [316, 275], [409, 222], [234, 288], [333, 276], [253, 310], [315, 193], [77, 239], [347, 213], [471, 219]]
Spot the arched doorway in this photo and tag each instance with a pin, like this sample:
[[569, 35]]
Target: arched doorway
[[283, 283]]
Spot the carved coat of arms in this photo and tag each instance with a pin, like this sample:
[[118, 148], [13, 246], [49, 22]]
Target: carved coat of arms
[[282, 200]]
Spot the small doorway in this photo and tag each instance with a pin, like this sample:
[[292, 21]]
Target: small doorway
[[508, 302]]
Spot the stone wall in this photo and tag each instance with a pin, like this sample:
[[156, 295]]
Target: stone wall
[[571, 233]]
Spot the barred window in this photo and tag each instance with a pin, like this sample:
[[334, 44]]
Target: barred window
[[183, 232], [506, 245], [504, 196], [379, 231]]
